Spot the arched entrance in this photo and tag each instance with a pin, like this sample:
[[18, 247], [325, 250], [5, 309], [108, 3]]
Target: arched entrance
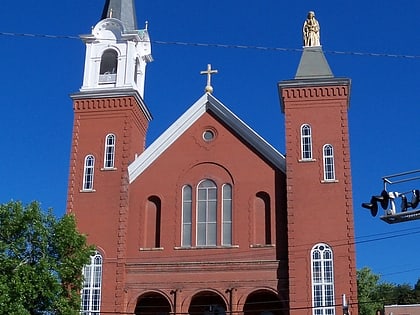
[[152, 304], [263, 303], [207, 303]]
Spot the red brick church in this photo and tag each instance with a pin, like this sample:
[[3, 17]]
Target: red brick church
[[209, 219]]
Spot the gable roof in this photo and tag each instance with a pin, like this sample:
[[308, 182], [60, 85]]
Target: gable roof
[[207, 103]]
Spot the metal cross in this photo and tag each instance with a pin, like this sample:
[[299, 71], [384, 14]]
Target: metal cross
[[209, 72]]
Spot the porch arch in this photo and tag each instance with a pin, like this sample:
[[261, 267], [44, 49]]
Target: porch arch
[[263, 302], [152, 303], [207, 303]]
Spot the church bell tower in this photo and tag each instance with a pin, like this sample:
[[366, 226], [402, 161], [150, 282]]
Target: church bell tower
[[116, 52], [321, 254], [109, 130]]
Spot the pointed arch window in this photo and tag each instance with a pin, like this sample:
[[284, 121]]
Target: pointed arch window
[[329, 169], [109, 65], [88, 172], [306, 142], [92, 286], [109, 154], [322, 280]]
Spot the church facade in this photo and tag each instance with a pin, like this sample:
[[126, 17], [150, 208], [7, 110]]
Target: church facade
[[209, 218]]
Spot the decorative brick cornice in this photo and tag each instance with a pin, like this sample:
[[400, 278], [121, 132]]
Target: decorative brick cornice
[[99, 104], [109, 100], [315, 92], [297, 90]]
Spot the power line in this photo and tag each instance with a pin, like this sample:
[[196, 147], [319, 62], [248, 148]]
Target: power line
[[286, 49], [11, 34], [226, 46], [387, 237]]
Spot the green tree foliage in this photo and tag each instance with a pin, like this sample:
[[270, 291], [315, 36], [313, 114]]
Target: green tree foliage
[[367, 285], [417, 290], [41, 261], [374, 294]]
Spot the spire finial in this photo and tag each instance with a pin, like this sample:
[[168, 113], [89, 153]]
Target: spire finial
[[209, 72]]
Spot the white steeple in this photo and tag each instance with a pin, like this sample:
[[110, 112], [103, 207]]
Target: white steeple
[[116, 53]]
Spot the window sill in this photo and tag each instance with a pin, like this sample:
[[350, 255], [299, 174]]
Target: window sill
[[150, 249], [329, 181], [261, 245], [306, 160], [108, 169], [205, 247], [87, 190]]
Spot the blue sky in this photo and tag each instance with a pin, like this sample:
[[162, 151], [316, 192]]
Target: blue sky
[[39, 74]]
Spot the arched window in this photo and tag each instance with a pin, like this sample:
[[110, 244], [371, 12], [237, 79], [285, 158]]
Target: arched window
[[92, 284], [210, 211], [227, 215], [186, 216], [109, 64], [306, 142], [206, 213], [262, 219], [152, 222], [109, 155], [329, 172], [322, 280], [88, 172]]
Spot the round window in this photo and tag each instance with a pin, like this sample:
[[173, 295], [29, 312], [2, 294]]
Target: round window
[[208, 135]]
